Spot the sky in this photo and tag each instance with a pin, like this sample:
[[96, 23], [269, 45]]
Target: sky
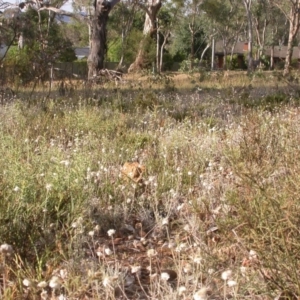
[[67, 6]]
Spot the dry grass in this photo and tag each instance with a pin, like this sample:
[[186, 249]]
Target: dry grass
[[214, 213]]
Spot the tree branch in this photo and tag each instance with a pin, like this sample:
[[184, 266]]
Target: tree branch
[[143, 7], [64, 13]]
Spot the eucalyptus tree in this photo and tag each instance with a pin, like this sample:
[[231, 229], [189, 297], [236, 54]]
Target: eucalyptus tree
[[247, 5], [261, 15], [124, 18], [151, 9], [193, 11], [278, 31], [226, 20], [291, 10], [167, 18]]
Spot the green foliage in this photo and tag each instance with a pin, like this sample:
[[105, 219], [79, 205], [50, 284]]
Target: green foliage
[[33, 60], [233, 64], [185, 66], [181, 42], [115, 47], [76, 32]]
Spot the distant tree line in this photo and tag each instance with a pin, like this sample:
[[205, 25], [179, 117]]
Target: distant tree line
[[145, 34]]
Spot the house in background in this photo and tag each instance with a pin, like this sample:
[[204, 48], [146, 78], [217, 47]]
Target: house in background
[[240, 50], [82, 52]]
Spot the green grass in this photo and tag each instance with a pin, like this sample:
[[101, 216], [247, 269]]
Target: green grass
[[220, 192]]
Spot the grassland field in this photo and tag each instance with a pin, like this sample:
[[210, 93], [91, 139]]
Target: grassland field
[[172, 186]]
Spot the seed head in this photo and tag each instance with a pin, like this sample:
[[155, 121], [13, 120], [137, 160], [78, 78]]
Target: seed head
[[42, 284], [6, 249], [55, 282], [201, 294], [111, 232], [27, 282], [231, 283], [226, 275], [151, 252], [164, 276]]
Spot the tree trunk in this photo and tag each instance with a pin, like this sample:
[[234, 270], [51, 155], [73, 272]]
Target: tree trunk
[[225, 53], [150, 28], [294, 27], [247, 4], [98, 40], [289, 54], [192, 50], [166, 36], [272, 58]]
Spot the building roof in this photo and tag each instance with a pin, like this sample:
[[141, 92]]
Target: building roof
[[242, 47], [82, 52], [239, 48]]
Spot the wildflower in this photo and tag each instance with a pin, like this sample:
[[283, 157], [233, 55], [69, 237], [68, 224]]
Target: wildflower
[[201, 294], [165, 276], [252, 255], [91, 233], [49, 187], [16, 189], [231, 283], [106, 281], [65, 162], [27, 282], [135, 269], [111, 232], [197, 260], [44, 295], [55, 282], [99, 253], [181, 247], [226, 275], [187, 268], [165, 221], [179, 207], [63, 273], [181, 290], [187, 227], [108, 251], [6, 249], [42, 284], [74, 225], [190, 173], [151, 252]]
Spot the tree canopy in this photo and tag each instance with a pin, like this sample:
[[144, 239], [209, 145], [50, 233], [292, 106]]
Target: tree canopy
[[151, 32]]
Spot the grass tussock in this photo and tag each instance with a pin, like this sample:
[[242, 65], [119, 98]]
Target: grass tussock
[[214, 213]]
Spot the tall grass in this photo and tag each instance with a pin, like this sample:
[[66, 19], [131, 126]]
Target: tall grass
[[216, 215]]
